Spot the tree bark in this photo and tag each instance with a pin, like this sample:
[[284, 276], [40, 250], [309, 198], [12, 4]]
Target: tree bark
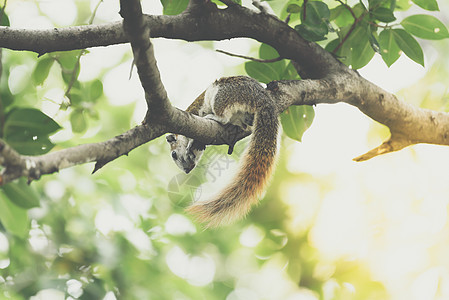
[[325, 80]]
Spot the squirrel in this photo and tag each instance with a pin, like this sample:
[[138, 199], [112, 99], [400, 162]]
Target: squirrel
[[244, 102]]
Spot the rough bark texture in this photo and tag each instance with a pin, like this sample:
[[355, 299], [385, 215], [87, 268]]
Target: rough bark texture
[[325, 80]]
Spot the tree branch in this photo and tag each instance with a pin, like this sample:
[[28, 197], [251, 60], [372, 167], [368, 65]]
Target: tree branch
[[408, 124], [250, 58], [138, 32], [205, 22], [329, 82], [33, 167]]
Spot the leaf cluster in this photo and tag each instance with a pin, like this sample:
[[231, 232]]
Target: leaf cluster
[[296, 119], [366, 28]]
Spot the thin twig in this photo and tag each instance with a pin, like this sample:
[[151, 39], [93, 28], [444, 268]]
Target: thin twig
[[94, 13], [356, 21], [381, 26], [251, 58], [348, 8], [74, 76], [305, 10]]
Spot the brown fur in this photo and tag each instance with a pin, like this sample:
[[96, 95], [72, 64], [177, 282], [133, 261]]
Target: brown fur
[[236, 200], [194, 108]]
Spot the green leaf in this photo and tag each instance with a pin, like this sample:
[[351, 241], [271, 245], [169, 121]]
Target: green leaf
[[290, 73], [409, 45], [388, 48], [383, 14], [69, 76], [315, 12], [365, 3], [293, 8], [427, 4], [403, 4], [6, 98], [267, 72], [344, 53], [375, 3], [95, 90], [27, 130], [67, 59], [21, 194], [345, 50], [336, 12], [27, 143], [425, 27], [296, 119], [315, 16], [373, 41], [267, 52], [358, 10], [13, 218], [5, 20], [263, 72], [290, 5], [174, 7], [332, 45], [76, 96], [42, 69], [30, 120], [344, 17], [93, 114], [360, 45], [392, 4], [313, 33], [362, 53], [86, 92], [78, 121]]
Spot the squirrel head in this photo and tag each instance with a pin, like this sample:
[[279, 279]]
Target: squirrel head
[[185, 151]]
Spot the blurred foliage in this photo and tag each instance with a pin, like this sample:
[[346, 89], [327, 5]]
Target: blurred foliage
[[123, 233]]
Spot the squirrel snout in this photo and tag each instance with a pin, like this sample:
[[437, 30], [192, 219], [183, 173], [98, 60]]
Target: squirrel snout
[[188, 164], [188, 169]]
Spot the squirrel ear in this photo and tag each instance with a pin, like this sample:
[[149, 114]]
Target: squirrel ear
[[170, 138]]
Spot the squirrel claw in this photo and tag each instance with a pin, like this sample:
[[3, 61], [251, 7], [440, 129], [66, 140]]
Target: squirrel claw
[[233, 138], [231, 148]]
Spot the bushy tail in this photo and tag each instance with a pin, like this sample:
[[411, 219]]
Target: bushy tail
[[235, 201]]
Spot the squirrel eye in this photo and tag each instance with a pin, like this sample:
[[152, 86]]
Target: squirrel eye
[[174, 155]]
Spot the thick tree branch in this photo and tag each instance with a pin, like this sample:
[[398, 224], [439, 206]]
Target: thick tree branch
[[201, 22], [33, 167], [138, 32], [162, 118], [408, 124], [327, 81], [43, 41]]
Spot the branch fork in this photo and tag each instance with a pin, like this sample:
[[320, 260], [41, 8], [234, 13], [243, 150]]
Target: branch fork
[[325, 80]]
